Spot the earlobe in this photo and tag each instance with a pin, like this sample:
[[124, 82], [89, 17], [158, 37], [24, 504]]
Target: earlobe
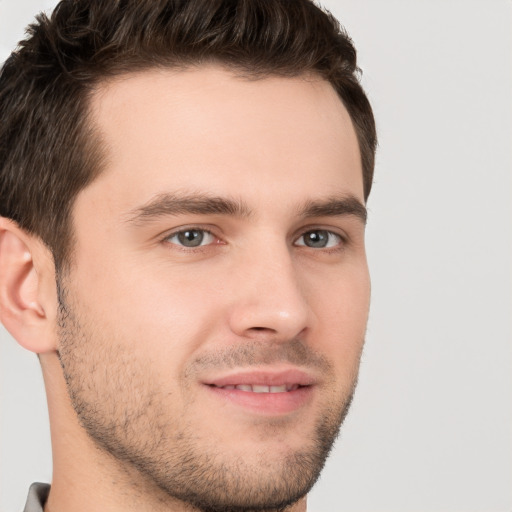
[[25, 309]]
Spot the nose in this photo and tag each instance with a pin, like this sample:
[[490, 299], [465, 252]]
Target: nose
[[270, 301]]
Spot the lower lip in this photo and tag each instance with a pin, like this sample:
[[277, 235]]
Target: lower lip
[[266, 403]]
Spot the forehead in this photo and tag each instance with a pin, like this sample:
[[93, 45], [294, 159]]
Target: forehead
[[208, 129]]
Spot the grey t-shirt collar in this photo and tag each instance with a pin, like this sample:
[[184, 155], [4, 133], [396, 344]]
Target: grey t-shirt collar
[[37, 496]]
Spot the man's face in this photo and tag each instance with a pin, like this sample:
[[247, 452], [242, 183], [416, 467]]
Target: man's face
[[213, 317]]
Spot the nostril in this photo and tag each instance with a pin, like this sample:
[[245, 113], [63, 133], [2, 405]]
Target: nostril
[[262, 329]]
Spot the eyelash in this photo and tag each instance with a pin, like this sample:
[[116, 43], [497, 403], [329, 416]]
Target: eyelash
[[339, 245], [198, 229]]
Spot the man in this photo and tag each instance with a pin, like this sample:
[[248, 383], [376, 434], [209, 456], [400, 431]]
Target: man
[[182, 193]]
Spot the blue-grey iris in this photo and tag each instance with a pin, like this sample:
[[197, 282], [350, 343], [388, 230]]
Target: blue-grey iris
[[191, 237]]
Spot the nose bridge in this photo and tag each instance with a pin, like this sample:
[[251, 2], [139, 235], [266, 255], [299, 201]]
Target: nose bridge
[[270, 296]]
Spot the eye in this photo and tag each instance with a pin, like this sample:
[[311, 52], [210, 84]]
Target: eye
[[191, 238], [319, 239]]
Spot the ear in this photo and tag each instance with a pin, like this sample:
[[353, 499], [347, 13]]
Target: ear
[[28, 296]]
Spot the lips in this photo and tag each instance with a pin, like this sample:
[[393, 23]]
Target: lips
[[263, 380], [268, 391], [256, 388]]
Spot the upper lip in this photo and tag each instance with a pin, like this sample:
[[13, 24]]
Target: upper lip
[[263, 377]]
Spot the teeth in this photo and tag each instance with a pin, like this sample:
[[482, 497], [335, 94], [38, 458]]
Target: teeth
[[260, 389], [278, 389], [263, 389]]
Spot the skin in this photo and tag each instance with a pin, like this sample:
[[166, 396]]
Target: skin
[[145, 325]]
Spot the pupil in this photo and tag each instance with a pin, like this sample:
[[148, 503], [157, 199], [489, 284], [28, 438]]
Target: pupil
[[316, 238], [190, 238]]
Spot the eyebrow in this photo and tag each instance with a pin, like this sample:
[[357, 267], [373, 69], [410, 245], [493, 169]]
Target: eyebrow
[[334, 207], [202, 204], [198, 204]]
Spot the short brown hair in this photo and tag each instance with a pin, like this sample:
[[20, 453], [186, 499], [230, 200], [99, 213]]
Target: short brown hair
[[48, 148]]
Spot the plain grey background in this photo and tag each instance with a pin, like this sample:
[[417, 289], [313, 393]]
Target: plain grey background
[[431, 426]]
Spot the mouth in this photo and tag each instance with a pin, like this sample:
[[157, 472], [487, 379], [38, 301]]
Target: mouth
[[258, 388], [266, 392]]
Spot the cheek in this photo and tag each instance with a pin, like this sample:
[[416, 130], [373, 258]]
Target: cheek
[[342, 314], [153, 308]]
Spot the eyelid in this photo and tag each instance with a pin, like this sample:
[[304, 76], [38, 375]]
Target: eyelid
[[211, 230], [190, 227], [336, 246], [329, 229]]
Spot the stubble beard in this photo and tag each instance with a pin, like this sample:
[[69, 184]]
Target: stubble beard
[[128, 421]]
